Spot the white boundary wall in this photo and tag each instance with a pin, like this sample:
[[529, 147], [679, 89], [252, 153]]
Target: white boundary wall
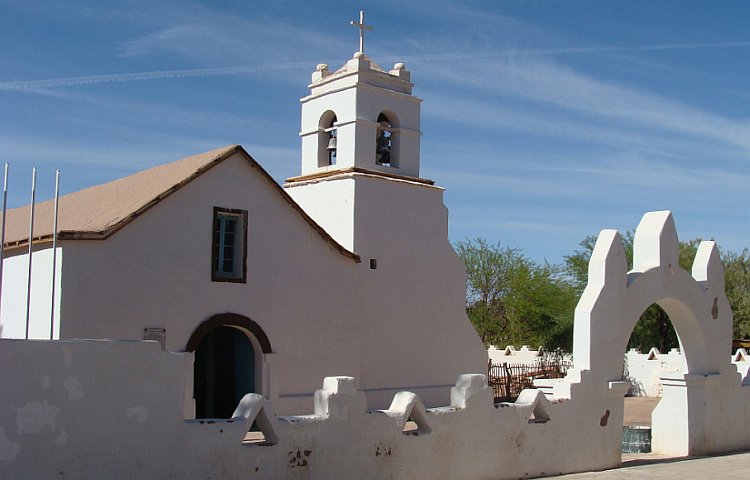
[[644, 369], [511, 356], [113, 409]]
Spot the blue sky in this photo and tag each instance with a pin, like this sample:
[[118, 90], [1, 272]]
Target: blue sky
[[546, 121]]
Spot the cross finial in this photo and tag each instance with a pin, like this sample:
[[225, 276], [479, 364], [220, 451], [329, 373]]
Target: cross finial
[[362, 27]]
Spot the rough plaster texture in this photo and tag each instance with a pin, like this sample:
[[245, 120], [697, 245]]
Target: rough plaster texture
[[126, 422], [106, 294], [415, 299]]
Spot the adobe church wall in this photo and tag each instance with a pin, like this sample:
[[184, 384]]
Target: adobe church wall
[[156, 272], [415, 300]]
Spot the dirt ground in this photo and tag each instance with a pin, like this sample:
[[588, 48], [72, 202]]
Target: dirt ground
[[638, 410]]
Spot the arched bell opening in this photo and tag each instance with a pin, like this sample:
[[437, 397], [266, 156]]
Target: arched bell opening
[[327, 139], [228, 363], [387, 140]]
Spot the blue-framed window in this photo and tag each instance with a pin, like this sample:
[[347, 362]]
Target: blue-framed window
[[229, 252]]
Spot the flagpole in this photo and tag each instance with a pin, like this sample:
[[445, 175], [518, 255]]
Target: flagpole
[[54, 257], [2, 235], [31, 243]]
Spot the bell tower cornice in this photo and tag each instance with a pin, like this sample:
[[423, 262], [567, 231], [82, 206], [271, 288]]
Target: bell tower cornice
[[361, 71]]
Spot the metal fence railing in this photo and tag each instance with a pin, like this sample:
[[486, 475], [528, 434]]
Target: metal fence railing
[[507, 381]]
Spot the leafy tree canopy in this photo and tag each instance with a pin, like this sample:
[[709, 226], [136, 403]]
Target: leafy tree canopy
[[511, 299]]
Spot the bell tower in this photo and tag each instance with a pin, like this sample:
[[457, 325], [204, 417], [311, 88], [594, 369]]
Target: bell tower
[[360, 182], [360, 117], [360, 126]]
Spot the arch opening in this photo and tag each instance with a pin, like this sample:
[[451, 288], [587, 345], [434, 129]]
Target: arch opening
[[654, 329], [387, 140], [667, 323], [327, 139], [228, 363], [224, 372], [653, 333]]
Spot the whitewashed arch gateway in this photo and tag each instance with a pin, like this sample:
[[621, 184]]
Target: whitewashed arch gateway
[[615, 299], [694, 401]]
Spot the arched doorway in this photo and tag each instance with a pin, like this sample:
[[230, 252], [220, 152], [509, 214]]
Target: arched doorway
[[228, 363], [224, 372]]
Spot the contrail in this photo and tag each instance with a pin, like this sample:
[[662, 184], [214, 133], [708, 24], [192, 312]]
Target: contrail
[[203, 72], [128, 77], [566, 50]]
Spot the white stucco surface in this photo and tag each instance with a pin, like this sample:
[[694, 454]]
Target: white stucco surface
[[15, 295], [357, 94], [704, 407], [125, 421], [645, 369], [156, 272], [414, 301], [509, 355]]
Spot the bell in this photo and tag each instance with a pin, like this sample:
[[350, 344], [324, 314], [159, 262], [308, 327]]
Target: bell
[[331, 144], [384, 144]]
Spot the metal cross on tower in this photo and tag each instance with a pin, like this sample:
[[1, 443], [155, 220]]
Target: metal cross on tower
[[362, 27]]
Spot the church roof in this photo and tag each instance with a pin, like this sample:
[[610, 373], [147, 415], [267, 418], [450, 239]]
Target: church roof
[[97, 212]]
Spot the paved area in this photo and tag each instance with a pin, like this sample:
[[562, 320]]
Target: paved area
[[736, 465], [638, 410]]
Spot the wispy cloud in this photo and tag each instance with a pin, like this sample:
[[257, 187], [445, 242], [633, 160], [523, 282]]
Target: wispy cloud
[[129, 77], [613, 176], [573, 50], [142, 45], [556, 86]]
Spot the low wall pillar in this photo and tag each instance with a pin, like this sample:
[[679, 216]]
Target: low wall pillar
[[679, 420]]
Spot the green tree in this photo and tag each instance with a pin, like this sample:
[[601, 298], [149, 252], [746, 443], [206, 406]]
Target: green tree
[[512, 299], [737, 285]]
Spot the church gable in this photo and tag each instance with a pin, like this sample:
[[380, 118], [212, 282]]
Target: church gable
[[227, 241], [98, 212]]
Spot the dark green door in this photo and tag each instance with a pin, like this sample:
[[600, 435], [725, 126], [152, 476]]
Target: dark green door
[[224, 372]]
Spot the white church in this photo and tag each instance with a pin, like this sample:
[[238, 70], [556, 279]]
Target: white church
[[343, 270], [258, 294]]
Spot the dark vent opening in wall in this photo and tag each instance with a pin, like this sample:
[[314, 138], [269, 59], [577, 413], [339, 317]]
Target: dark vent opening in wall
[[373, 263]]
